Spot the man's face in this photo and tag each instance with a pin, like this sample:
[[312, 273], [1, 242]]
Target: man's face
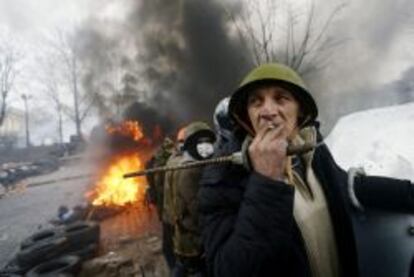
[[273, 105]]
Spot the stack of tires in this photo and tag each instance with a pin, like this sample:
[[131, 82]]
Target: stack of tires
[[58, 251]]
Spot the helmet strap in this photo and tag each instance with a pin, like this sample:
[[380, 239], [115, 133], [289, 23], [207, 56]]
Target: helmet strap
[[244, 125], [304, 122]]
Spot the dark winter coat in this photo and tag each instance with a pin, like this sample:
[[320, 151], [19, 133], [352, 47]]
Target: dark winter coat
[[249, 228]]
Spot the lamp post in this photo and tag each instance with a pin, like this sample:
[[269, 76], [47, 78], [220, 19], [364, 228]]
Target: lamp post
[[26, 97]]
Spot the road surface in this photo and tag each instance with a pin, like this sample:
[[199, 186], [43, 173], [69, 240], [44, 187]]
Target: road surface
[[26, 211]]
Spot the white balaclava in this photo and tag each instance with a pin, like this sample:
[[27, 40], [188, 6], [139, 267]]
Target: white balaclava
[[205, 149]]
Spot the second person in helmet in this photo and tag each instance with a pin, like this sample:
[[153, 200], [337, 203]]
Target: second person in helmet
[[182, 187]]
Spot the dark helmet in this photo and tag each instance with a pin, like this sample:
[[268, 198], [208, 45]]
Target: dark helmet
[[283, 76], [223, 122], [196, 130]]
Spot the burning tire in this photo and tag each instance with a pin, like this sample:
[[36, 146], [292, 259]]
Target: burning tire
[[42, 251], [41, 236], [82, 233], [63, 266]]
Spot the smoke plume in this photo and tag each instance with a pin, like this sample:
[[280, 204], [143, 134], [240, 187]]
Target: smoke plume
[[179, 57], [174, 58]]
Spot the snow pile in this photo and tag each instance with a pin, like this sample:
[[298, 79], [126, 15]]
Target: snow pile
[[380, 140]]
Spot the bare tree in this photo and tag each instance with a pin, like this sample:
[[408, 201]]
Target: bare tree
[[10, 58], [47, 74], [51, 91], [277, 32], [66, 49]]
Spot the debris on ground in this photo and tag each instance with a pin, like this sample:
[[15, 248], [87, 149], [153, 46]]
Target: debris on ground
[[138, 257]]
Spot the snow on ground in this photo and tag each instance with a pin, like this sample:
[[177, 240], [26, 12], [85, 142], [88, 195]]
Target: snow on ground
[[379, 140]]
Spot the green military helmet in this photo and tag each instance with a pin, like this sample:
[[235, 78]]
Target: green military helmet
[[196, 130], [284, 77]]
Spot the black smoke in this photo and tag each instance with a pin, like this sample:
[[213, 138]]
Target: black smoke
[[188, 54], [176, 58], [150, 119]]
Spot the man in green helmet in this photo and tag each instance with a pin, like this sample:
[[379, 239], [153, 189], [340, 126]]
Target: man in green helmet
[[181, 189], [281, 214]]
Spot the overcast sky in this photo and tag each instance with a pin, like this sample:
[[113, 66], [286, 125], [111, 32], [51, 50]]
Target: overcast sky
[[379, 35], [28, 21], [379, 39], [370, 26], [29, 16]]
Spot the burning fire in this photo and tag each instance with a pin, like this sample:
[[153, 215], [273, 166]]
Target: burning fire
[[113, 189], [127, 128]]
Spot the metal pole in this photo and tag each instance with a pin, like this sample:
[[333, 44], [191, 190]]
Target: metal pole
[[26, 117], [76, 96], [235, 158]]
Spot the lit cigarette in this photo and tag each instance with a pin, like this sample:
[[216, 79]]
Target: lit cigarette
[[272, 125]]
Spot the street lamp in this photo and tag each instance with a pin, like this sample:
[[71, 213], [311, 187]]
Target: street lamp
[[26, 97]]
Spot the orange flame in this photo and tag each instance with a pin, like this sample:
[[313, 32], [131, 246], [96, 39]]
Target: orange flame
[[127, 128], [113, 189]]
